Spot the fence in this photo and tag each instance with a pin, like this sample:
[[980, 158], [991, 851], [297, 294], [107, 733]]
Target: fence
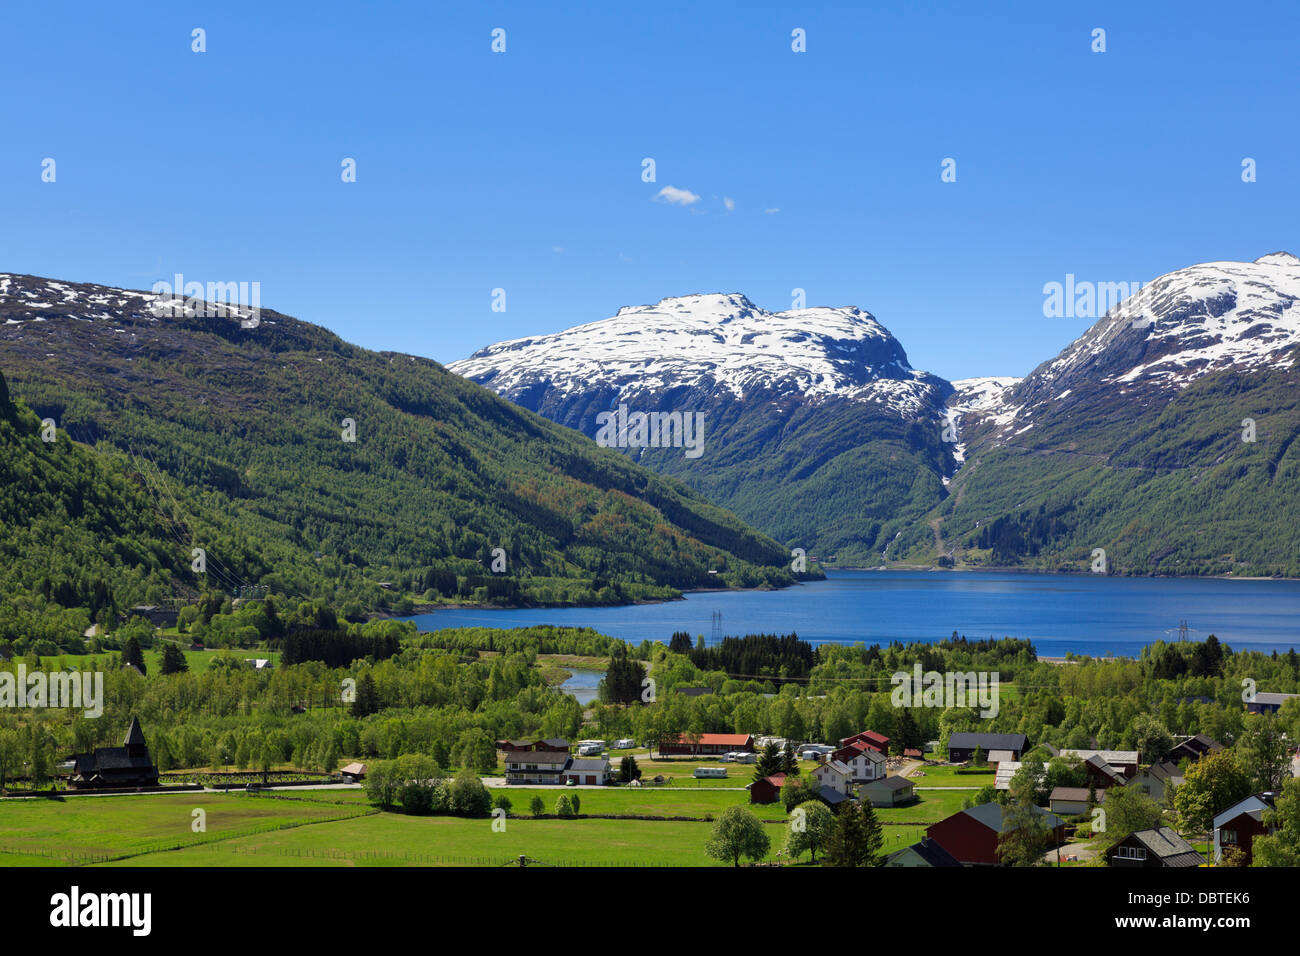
[[361, 856]]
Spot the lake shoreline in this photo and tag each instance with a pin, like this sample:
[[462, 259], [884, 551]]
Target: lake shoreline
[[1059, 614], [989, 569]]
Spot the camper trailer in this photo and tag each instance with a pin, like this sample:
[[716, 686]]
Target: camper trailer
[[703, 772]]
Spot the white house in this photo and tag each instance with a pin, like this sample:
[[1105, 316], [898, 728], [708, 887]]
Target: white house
[[1156, 780], [590, 772], [863, 762], [835, 775]]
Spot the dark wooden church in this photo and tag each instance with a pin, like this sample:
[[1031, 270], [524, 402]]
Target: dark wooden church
[[127, 766]]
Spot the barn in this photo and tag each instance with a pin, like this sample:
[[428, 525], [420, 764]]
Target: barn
[[705, 744], [971, 836]]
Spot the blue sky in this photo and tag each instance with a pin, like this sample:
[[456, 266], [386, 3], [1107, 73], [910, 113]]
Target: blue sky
[[522, 170]]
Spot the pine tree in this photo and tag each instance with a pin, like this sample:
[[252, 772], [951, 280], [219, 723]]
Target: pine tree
[[367, 699], [769, 762], [857, 838], [909, 734], [173, 660], [131, 654], [789, 762]]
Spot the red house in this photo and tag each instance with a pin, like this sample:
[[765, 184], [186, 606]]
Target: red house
[[705, 744], [971, 836], [1238, 825], [875, 741], [767, 790]]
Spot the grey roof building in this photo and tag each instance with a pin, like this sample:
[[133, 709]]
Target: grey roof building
[[962, 746], [1160, 847]]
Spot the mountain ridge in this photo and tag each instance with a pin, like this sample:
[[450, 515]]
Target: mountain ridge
[[814, 405], [1208, 321], [238, 430]]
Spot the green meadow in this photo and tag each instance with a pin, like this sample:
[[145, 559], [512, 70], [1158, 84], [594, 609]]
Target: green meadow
[[338, 828], [86, 829]]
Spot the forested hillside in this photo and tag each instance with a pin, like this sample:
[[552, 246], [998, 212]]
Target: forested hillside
[[316, 469], [1165, 486], [78, 536]]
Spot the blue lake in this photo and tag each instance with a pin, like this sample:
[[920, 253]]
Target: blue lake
[[1084, 614], [582, 684]]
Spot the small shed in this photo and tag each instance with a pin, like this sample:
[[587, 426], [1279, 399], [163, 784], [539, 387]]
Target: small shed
[[889, 791], [1071, 801], [354, 772], [767, 790]]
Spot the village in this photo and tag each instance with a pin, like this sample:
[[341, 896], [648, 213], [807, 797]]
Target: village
[[861, 769]]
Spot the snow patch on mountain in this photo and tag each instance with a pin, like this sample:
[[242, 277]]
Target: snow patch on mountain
[[982, 394], [24, 297], [1199, 320], [722, 341], [1182, 326]]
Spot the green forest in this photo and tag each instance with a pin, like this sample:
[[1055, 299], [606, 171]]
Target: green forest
[[194, 455]]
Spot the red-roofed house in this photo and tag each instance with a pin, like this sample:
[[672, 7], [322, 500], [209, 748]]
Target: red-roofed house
[[869, 737], [767, 790], [705, 743], [866, 762]]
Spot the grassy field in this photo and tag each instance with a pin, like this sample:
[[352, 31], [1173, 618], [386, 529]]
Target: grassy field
[[198, 660], [395, 840], [664, 801], [86, 829], [644, 801], [337, 828], [941, 776]]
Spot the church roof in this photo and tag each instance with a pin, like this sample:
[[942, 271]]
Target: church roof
[[134, 735]]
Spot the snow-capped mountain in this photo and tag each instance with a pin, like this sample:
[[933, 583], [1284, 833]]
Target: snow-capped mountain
[[1164, 436], [723, 344], [1213, 317], [817, 427]]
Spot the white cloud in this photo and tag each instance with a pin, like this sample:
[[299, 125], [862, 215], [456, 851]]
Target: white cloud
[[729, 203], [772, 211], [675, 196]]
